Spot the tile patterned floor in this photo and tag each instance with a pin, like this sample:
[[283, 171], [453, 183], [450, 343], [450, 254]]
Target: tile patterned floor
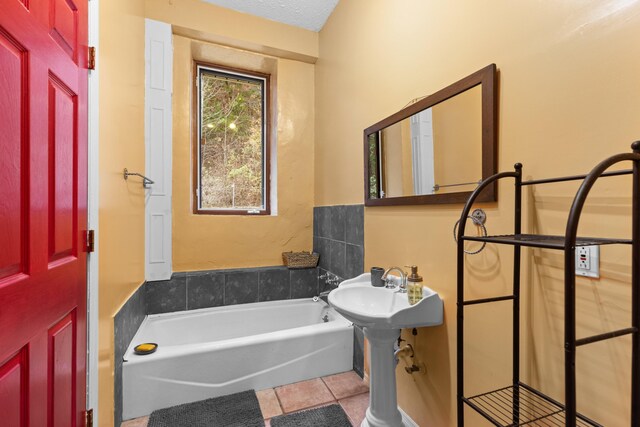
[[346, 389]]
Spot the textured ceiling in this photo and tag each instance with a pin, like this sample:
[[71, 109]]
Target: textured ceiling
[[309, 14]]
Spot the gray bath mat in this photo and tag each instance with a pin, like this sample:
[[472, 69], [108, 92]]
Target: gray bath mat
[[235, 410], [327, 416]]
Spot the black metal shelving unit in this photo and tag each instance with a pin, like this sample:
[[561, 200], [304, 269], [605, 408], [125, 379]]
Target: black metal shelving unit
[[518, 404]]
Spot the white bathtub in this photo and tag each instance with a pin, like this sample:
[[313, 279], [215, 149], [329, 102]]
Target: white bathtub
[[222, 350]]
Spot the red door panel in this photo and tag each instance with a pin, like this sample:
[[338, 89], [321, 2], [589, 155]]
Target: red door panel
[[64, 24], [43, 202], [62, 179], [13, 391], [62, 345], [13, 167]]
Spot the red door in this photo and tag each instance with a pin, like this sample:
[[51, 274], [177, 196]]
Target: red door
[[43, 212]]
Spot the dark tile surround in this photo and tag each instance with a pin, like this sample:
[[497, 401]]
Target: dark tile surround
[[274, 285], [205, 290], [202, 289], [167, 295], [126, 324], [358, 350], [338, 236]]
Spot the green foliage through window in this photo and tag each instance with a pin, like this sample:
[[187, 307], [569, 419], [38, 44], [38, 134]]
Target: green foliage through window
[[232, 141], [374, 174]]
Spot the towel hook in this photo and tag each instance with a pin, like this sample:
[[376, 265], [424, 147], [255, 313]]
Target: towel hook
[[145, 181]]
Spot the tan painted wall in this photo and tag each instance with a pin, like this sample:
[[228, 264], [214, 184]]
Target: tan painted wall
[[121, 239], [568, 85], [227, 27], [202, 242], [392, 156], [397, 163], [457, 132]]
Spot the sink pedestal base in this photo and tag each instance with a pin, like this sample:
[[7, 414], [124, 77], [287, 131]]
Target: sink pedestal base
[[383, 402], [406, 422]]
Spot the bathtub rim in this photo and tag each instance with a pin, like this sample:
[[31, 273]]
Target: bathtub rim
[[338, 322]]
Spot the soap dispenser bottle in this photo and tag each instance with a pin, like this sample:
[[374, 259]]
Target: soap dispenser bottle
[[414, 286]]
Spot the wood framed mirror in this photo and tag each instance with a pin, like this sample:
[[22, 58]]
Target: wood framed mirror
[[437, 149]]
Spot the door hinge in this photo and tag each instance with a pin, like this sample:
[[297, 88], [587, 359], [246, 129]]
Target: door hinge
[[92, 58], [88, 418], [90, 241]]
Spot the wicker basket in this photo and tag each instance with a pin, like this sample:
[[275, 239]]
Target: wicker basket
[[300, 259]]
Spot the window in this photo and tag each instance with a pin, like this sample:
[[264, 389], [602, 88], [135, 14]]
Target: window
[[232, 146]]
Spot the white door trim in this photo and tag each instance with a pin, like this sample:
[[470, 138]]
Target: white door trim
[[92, 216]]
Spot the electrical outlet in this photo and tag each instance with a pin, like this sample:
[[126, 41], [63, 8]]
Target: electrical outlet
[[588, 261], [583, 258]]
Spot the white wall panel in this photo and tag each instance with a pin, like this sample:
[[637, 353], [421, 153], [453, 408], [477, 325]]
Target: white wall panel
[[158, 140]]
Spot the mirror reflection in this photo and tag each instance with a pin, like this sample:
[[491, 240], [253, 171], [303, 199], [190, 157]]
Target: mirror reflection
[[435, 151]]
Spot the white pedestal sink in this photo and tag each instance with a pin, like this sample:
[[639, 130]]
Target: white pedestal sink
[[382, 313]]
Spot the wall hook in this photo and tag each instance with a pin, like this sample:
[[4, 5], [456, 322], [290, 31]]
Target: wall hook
[[145, 181]]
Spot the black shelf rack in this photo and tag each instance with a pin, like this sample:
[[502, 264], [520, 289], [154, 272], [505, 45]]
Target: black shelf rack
[[518, 404]]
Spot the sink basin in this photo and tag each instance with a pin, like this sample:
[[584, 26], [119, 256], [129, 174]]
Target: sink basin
[[382, 313], [382, 308]]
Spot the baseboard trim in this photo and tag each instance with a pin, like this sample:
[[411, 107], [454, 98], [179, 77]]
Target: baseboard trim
[[406, 419]]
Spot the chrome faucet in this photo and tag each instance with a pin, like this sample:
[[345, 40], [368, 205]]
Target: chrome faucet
[[390, 284], [324, 295]]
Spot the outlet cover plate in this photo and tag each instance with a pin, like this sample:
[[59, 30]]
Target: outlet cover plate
[[588, 261]]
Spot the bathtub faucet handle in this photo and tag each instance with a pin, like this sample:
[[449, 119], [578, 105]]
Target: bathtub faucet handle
[[330, 278]]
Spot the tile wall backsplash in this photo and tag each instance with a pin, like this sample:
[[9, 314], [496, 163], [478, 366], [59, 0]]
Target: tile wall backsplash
[[202, 289], [167, 295], [338, 236], [358, 350], [125, 325]]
